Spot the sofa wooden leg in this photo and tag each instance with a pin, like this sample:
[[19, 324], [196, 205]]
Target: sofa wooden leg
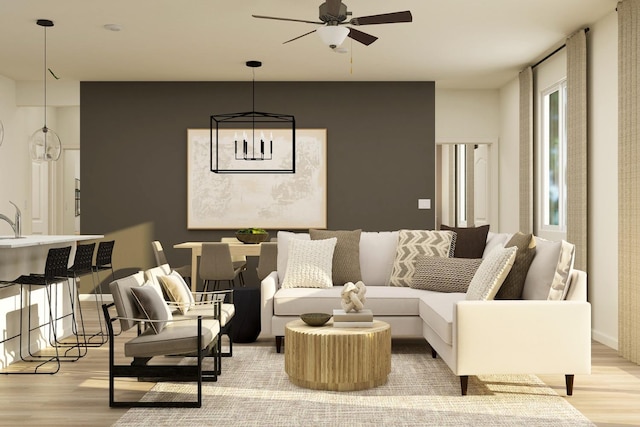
[[569, 381], [464, 382], [279, 341], [434, 353]]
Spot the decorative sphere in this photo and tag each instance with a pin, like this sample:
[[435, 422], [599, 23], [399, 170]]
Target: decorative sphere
[[44, 145]]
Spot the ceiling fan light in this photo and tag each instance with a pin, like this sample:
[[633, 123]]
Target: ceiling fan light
[[332, 35]]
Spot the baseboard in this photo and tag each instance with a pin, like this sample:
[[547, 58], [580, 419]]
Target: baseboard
[[92, 297], [605, 339]]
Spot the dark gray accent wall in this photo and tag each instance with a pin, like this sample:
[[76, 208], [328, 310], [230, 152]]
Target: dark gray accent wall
[[380, 154]]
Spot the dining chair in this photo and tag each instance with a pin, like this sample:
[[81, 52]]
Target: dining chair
[[268, 260], [239, 261], [216, 265], [161, 259]]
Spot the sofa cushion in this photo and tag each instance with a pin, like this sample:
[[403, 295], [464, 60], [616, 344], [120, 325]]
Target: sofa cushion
[[444, 274], [491, 273], [377, 253], [178, 291], [512, 286], [412, 243], [381, 300], [495, 240], [436, 310], [550, 266], [284, 238], [346, 256], [151, 305], [310, 263], [470, 241]]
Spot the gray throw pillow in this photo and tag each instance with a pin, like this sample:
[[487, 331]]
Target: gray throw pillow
[[444, 274], [514, 283], [152, 306], [346, 255]]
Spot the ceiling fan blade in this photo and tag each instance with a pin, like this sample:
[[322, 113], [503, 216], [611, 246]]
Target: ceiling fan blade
[[288, 19], [299, 37], [385, 18], [333, 7], [359, 36]]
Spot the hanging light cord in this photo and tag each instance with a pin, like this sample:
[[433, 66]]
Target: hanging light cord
[[45, 80]]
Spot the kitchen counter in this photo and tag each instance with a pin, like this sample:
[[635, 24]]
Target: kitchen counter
[[8, 242]]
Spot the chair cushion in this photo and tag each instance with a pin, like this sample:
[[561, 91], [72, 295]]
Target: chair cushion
[[178, 337], [346, 256], [151, 305], [491, 273], [227, 311], [310, 264], [125, 304], [152, 276]]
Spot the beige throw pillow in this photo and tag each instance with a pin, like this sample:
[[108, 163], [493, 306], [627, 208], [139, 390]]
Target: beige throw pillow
[[346, 256], [491, 273], [412, 243], [444, 274], [178, 291], [309, 264]]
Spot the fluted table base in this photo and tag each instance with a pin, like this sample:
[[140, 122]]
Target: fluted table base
[[338, 359]]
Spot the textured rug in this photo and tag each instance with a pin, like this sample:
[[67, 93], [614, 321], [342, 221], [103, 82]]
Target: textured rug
[[255, 391]]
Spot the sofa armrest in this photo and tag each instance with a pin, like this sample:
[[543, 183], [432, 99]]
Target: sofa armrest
[[268, 288], [514, 337]]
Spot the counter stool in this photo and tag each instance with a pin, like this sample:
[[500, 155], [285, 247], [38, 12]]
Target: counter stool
[[54, 272]]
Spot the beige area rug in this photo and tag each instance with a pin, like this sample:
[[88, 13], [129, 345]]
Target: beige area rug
[[255, 391]]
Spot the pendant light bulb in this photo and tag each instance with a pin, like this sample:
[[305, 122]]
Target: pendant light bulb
[[44, 143]]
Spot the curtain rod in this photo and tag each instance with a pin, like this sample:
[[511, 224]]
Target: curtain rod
[[586, 30]]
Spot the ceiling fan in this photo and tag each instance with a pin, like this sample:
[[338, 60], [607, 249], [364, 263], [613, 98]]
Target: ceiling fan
[[333, 15]]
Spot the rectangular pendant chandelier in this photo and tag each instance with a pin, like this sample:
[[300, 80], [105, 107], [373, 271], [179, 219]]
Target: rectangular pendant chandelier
[[253, 142]]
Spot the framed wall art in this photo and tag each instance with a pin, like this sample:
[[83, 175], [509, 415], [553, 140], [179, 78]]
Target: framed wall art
[[270, 201]]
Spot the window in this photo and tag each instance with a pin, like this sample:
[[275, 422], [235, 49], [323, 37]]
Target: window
[[553, 149]]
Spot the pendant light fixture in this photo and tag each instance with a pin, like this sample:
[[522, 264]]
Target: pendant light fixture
[[236, 149], [44, 144]]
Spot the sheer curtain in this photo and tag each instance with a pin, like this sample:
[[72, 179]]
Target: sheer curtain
[[526, 150], [577, 146], [629, 179]]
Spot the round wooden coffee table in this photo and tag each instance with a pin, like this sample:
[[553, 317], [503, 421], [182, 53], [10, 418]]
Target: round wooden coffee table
[[338, 359]]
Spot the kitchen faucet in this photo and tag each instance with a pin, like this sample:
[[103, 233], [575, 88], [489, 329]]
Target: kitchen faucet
[[17, 223]]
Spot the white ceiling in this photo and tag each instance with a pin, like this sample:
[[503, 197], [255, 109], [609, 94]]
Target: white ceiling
[[457, 43]]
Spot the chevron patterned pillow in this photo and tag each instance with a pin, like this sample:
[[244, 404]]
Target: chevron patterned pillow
[[412, 243]]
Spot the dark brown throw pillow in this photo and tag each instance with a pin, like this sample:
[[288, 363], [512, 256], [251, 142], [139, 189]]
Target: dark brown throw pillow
[[346, 256], [514, 283], [470, 242]]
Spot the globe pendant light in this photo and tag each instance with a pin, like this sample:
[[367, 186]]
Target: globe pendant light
[[44, 144], [1, 132]]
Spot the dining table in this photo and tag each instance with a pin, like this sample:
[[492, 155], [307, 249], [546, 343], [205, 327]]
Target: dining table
[[237, 249]]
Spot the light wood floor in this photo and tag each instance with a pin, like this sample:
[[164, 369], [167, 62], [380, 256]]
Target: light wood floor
[[78, 394]]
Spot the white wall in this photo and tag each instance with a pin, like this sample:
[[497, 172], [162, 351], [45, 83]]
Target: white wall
[[603, 179], [509, 160], [472, 116]]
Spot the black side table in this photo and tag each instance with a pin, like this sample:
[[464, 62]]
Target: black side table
[[246, 322]]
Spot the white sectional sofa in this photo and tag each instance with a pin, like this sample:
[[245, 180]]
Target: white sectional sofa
[[524, 336]]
